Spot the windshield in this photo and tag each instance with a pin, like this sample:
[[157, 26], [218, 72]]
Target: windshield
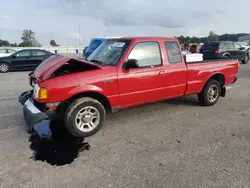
[[109, 52]]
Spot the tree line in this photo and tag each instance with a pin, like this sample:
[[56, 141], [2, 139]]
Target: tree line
[[28, 39], [211, 37]]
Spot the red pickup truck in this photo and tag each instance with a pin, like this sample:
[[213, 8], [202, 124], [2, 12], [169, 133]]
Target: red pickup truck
[[120, 73]]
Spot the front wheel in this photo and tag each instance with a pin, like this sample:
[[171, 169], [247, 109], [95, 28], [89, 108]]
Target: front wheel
[[4, 67], [210, 93], [84, 117], [246, 59]]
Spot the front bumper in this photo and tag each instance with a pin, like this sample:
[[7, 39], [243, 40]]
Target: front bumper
[[31, 113]]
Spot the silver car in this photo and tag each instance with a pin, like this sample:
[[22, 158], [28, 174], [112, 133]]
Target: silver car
[[6, 52]]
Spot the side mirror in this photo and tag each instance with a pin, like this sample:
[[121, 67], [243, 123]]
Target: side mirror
[[242, 48], [131, 63], [14, 56]]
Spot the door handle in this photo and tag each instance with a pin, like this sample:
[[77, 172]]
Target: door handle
[[162, 73]]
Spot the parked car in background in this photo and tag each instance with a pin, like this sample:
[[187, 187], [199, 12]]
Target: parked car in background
[[244, 44], [84, 51], [120, 73], [195, 48], [94, 43], [224, 50], [4, 52], [23, 60]]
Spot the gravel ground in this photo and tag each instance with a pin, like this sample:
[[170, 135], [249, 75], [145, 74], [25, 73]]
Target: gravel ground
[[174, 143]]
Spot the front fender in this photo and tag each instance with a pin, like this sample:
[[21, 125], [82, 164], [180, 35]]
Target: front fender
[[85, 89]]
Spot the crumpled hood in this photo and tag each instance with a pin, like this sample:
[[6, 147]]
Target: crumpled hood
[[50, 65]]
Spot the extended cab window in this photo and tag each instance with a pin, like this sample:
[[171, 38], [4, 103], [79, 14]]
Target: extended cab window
[[173, 51], [146, 53]]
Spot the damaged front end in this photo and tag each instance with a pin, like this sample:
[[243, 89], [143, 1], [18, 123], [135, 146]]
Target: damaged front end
[[56, 66], [31, 113]]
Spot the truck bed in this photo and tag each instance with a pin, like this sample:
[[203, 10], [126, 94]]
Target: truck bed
[[199, 72]]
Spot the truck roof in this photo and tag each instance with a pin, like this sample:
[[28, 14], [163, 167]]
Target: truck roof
[[145, 38]]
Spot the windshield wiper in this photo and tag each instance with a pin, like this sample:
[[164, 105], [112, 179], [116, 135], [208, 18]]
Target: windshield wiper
[[97, 61]]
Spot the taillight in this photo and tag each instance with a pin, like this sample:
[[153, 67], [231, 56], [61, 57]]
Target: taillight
[[217, 52]]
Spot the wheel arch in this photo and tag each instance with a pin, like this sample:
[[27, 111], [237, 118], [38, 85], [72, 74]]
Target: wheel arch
[[219, 77], [95, 95]]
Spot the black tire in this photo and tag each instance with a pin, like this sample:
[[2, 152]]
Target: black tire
[[76, 107], [204, 97], [4, 67], [246, 59]]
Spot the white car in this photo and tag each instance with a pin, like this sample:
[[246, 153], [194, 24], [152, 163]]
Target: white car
[[6, 52]]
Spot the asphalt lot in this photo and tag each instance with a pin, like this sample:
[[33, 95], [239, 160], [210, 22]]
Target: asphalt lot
[[174, 143]]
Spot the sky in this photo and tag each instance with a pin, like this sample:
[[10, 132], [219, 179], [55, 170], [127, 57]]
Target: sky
[[71, 22]]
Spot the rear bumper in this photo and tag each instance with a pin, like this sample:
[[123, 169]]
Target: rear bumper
[[31, 113]]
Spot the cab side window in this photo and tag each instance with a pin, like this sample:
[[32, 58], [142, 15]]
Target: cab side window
[[147, 54], [173, 51]]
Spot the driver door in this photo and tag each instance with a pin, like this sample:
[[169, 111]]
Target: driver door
[[145, 83]]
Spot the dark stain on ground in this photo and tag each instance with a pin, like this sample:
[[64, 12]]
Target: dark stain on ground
[[52, 143]]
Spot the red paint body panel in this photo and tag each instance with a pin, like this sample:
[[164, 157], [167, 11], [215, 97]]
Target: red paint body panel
[[198, 74], [126, 88]]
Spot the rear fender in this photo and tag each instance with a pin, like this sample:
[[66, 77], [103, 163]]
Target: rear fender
[[211, 77]]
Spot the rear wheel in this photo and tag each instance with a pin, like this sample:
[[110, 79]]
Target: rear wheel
[[225, 56], [84, 117], [210, 93], [246, 59], [4, 67]]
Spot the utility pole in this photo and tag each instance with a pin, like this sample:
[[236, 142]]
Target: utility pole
[[79, 33]]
